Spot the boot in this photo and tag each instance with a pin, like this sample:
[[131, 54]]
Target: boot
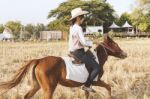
[[89, 89]]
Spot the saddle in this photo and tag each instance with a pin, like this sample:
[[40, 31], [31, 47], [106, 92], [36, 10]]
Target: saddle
[[76, 60]]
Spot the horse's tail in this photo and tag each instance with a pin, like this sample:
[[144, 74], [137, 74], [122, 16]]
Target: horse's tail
[[20, 74]]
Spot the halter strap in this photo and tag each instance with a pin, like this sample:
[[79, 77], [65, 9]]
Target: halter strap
[[104, 49], [107, 47]]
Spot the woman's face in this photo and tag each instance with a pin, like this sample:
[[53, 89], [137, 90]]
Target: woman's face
[[80, 19]]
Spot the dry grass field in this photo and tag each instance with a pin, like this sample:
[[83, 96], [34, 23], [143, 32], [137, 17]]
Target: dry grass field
[[129, 78]]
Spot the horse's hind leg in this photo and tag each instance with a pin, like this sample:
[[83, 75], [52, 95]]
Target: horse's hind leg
[[35, 85], [33, 90], [47, 83]]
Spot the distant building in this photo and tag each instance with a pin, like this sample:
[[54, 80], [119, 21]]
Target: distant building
[[7, 34], [129, 27], [94, 30], [113, 26], [51, 35]]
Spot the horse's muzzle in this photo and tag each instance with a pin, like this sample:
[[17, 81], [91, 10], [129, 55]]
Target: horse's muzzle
[[123, 55]]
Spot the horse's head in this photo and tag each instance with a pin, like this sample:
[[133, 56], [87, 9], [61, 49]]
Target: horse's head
[[112, 48]]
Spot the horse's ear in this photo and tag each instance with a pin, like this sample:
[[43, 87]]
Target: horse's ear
[[107, 37], [96, 43]]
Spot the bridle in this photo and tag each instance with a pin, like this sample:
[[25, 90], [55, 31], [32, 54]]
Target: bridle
[[110, 49], [106, 47]]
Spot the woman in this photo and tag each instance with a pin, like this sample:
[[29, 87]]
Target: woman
[[76, 46]]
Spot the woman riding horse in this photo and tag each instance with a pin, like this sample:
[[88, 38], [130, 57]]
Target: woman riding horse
[[77, 43], [50, 71]]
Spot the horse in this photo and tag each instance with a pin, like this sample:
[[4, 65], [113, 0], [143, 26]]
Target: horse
[[50, 71]]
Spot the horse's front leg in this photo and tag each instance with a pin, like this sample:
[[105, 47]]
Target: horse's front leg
[[103, 84], [87, 94]]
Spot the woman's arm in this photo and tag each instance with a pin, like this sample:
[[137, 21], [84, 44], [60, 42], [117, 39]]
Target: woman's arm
[[82, 39]]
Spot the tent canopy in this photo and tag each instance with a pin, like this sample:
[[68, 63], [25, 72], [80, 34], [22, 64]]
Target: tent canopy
[[114, 26], [126, 25], [7, 35]]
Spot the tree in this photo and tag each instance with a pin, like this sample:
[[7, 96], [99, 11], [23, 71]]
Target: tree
[[15, 27], [100, 13], [57, 25], [39, 27], [1, 28], [144, 6], [34, 30], [30, 29], [144, 23], [123, 18], [141, 15], [143, 2]]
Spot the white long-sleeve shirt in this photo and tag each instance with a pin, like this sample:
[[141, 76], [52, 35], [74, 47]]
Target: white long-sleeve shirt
[[76, 38]]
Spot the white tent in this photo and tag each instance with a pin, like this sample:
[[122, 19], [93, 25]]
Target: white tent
[[1, 36], [130, 28], [6, 34], [114, 26], [126, 25]]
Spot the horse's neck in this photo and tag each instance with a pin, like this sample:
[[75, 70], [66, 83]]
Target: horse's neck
[[102, 56]]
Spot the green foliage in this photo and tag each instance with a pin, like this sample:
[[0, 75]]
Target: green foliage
[[144, 23], [34, 30], [135, 16], [58, 25], [143, 2], [1, 28], [28, 31], [123, 18], [143, 26], [139, 18], [99, 13], [144, 6], [15, 27], [38, 28], [29, 28]]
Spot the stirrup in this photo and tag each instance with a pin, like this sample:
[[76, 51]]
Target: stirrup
[[88, 89]]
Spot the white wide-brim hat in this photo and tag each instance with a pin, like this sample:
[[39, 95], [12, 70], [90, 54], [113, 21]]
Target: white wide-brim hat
[[77, 12]]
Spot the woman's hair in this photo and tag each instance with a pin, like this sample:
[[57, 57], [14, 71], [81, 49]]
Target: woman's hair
[[74, 20]]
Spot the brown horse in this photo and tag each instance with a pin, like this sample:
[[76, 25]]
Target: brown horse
[[47, 72]]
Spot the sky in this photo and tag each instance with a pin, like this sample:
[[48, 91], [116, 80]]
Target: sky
[[36, 11]]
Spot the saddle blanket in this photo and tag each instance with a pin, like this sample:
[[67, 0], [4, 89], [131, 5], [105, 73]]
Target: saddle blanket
[[76, 72]]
